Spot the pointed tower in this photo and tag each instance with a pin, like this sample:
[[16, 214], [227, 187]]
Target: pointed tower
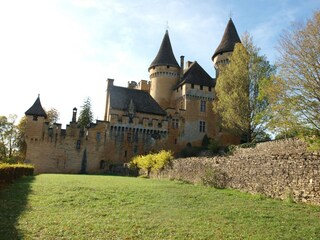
[[226, 46], [164, 73], [36, 116]]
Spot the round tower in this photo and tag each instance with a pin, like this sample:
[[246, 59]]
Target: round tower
[[226, 46], [36, 117], [164, 73]]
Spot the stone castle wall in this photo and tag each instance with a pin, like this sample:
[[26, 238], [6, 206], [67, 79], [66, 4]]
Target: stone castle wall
[[93, 150], [278, 169]]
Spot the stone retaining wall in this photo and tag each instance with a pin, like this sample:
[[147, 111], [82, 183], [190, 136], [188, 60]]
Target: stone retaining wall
[[278, 169]]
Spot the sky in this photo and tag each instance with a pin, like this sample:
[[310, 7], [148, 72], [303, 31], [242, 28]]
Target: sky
[[65, 50]]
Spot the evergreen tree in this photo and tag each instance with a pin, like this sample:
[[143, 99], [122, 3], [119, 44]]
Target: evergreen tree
[[86, 115], [239, 104]]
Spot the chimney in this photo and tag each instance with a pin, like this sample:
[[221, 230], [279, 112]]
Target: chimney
[[74, 115], [181, 66], [109, 83]]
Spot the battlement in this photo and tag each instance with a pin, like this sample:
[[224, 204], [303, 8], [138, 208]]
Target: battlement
[[142, 124]]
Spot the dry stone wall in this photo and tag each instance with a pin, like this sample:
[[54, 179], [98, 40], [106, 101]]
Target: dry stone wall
[[278, 169]]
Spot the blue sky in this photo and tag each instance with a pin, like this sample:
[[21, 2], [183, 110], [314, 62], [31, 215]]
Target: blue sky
[[65, 50]]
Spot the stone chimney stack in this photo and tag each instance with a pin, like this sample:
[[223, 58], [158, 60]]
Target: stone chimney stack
[[74, 115], [181, 66]]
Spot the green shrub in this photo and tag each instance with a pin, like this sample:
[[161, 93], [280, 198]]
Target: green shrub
[[313, 143], [214, 146], [215, 178], [11, 172], [190, 151]]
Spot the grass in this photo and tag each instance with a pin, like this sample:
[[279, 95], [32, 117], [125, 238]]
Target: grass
[[105, 207]]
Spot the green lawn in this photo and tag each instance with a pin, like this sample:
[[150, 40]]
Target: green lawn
[[104, 207]]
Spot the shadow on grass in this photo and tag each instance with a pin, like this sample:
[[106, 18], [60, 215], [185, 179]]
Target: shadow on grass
[[13, 201]]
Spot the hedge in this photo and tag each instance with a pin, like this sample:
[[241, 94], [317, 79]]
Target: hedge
[[11, 172]]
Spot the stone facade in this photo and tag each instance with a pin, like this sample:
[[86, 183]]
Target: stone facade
[[278, 169]]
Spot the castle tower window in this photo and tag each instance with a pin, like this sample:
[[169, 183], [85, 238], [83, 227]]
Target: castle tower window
[[125, 153], [192, 86], [129, 136], [78, 144], [202, 127], [201, 87], [175, 123], [202, 106], [35, 118], [98, 136], [209, 89], [135, 149]]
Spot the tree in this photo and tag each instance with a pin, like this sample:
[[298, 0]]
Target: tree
[[239, 105], [299, 64], [52, 115], [20, 141], [283, 121], [86, 115], [8, 136]]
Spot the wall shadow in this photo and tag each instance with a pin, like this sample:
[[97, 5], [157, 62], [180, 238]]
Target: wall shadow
[[13, 201]]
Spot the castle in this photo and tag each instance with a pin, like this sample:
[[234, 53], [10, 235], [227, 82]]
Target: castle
[[171, 111]]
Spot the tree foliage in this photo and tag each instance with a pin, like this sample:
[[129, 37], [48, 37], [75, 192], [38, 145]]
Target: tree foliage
[[239, 104], [299, 64], [283, 121], [86, 115], [52, 115], [8, 138]]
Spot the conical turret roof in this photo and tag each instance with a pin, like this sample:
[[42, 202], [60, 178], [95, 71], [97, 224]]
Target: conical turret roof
[[165, 56], [229, 39], [36, 109]]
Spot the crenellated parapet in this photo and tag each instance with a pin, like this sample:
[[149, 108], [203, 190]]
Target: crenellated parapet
[[142, 124]]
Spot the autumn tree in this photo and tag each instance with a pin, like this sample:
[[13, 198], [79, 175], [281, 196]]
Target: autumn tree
[[299, 65], [86, 115], [52, 115], [239, 105]]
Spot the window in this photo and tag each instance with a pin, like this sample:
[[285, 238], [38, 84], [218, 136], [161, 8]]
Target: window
[[98, 136], [175, 123], [201, 87], [202, 126], [209, 89], [78, 144], [135, 149], [192, 85], [129, 136], [35, 118], [202, 106], [125, 153]]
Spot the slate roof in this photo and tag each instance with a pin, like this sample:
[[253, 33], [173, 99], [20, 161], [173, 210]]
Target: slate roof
[[120, 98], [165, 54], [36, 109], [229, 39], [198, 76]]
